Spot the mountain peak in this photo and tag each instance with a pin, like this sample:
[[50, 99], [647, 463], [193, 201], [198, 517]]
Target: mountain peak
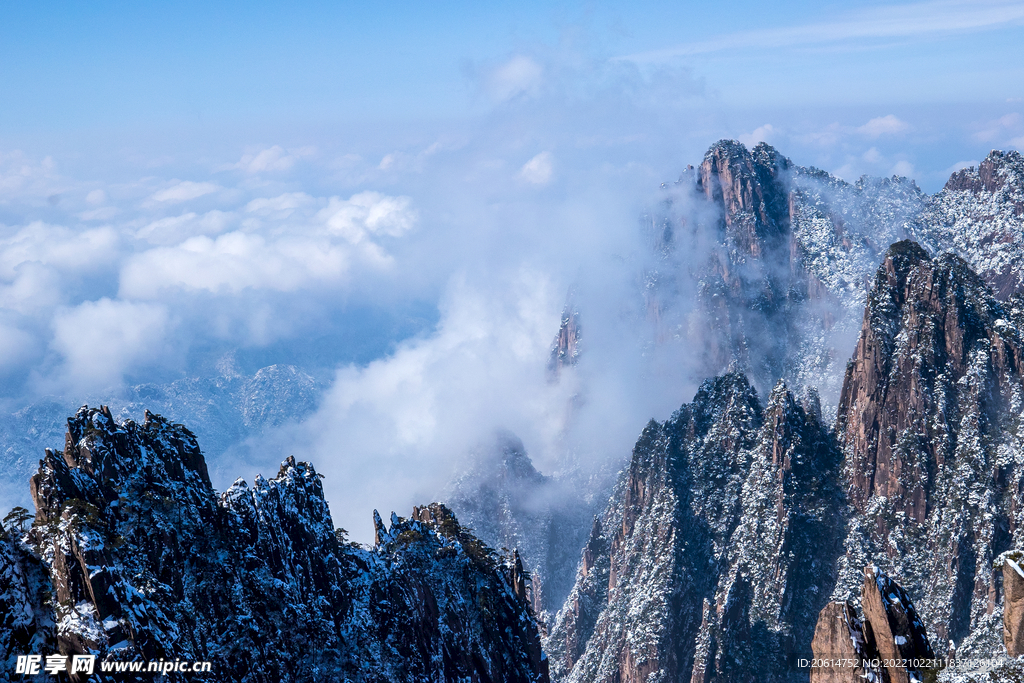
[[1000, 168]]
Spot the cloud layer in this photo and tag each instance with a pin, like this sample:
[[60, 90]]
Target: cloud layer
[[153, 268]]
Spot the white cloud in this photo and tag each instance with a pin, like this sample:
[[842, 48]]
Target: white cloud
[[102, 340], [959, 166], [403, 422], [96, 197], [368, 213], [71, 252], [34, 288], [935, 17], [280, 206], [760, 134], [233, 262], [315, 249], [176, 229], [16, 346], [826, 137], [102, 213], [902, 168], [538, 170], [1018, 142], [271, 159], [872, 156], [184, 190], [996, 130], [519, 76], [883, 125]]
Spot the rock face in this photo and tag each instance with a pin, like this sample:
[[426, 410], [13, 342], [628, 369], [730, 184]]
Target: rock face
[[26, 624], [223, 408], [734, 522], [1013, 605], [783, 263], [889, 644], [716, 543], [146, 561], [779, 558], [928, 418], [892, 624], [276, 393], [565, 350], [437, 604], [781, 256], [745, 285], [839, 637]]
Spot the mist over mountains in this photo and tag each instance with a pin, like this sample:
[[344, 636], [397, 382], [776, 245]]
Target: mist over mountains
[[857, 351]]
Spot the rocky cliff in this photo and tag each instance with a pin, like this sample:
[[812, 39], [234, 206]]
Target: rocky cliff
[[978, 215], [715, 547], [888, 643], [929, 420], [511, 505], [735, 522], [134, 556]]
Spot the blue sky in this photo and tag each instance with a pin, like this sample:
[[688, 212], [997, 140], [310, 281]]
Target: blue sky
[[398, 195], [79, 66], [113, 86]]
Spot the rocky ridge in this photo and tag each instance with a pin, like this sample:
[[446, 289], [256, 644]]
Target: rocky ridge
[[712, 543], [134, 556], [929, 419], [887, 644], [783, 258], [506, 501], [224, 409]]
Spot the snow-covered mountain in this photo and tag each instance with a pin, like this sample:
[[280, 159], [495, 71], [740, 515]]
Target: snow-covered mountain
[[736, 521], [852, 466], [133, 556]]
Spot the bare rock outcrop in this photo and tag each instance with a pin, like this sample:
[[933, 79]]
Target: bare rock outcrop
[[1013, 601], [839, 638], [888, 645], [146, 561], [979, 214], [721, 547], [895, 628], [565, 350]]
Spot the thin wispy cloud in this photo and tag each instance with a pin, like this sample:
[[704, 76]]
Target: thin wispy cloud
[[183, 191], [538, 170], [883, 125], [899, 21], [271, 159]]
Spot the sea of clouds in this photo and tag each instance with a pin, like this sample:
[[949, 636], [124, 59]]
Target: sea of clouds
[[418, 268]]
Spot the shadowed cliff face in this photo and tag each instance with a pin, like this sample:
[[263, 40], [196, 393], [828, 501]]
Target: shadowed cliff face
[[888, 644], [509, 504], [929, 419], [752, 190], [146, 561], [719, 553]]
